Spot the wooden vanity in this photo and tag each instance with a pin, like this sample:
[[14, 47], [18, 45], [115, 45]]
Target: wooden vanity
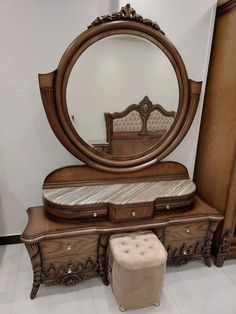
[[68, 243], [124, 185], [66, 253]]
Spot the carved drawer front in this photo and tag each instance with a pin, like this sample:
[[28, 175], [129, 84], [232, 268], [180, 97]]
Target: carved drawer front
[[51, 249], [186, 231], [123, 213], [69, 270], [180, 252]]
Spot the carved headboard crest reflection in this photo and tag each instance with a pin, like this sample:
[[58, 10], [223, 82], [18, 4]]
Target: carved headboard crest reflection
[[144, 121], [142, 118], [126, 13]]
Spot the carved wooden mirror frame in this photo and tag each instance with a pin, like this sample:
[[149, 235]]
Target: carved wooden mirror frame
[[53, 91]]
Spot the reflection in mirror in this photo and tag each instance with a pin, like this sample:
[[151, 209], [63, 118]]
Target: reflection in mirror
[[110, 76]]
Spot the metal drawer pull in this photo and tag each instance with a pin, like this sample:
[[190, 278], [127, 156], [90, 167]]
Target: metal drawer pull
[[188, 230], [69, 271], [95, 214], [133, 214], [68, 247], [167, 206]]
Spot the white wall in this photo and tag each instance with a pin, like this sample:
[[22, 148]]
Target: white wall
[[34, 35]]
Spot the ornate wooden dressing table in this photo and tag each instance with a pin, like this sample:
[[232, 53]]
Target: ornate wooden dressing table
[[128, 190]]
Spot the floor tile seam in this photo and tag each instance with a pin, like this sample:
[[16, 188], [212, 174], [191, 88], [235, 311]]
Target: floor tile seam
[[173, 300], [231, 279]]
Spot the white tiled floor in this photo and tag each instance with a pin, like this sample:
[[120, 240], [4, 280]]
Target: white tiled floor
[[193, 288]]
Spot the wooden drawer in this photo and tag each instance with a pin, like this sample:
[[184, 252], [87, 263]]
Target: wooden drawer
[[129, 213], [75, 213], [51, 249], [186, 231], [180, 252], [70, 269]]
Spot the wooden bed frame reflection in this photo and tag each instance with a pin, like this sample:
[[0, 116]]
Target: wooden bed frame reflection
[[137, 128]]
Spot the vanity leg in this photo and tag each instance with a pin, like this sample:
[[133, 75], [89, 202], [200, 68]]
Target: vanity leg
[[207, 260], [208, 244], [102, 257], [224, 249], [34, 253]]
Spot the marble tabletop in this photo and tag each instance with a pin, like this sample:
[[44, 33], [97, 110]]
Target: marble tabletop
[[119, 193]]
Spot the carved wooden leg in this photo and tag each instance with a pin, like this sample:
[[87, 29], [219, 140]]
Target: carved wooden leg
[[102, 257], [34, 253], [223, 250], [159, 232], [207, 252]]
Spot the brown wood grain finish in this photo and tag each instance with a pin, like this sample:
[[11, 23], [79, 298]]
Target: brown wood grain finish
[[69, 213], [186, 231], [215, 170], [68, 246], [36, 262], [64, 253], [130, 213], [76, 175], [224, 6], [40, 227]]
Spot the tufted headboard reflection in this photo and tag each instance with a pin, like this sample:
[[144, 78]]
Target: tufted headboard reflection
[[137, 128]]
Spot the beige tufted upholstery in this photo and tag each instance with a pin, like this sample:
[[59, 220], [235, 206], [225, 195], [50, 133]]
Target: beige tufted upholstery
[[130, 123], [137, 263], [158, 122]]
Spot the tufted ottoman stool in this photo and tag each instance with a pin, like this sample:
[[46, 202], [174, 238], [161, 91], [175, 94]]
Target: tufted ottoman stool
[[137, 263]]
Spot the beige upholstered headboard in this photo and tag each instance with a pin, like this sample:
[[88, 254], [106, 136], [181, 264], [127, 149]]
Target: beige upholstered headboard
[[137, 127]]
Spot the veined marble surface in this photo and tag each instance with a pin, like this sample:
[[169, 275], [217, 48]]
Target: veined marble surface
[[120, 193]]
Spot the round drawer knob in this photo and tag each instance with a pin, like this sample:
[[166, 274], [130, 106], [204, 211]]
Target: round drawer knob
[[167, 206], [133, 214], [188, 230], [68, 247], [184, 252], [69, 271], [95, 214]]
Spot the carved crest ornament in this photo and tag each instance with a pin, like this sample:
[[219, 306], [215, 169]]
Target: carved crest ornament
[[126, 13]]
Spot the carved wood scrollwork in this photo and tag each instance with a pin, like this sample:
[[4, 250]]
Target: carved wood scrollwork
[[182, 255], [224, 249], [69, 274], [126, 13], [34, 253], [208, 243], [102, 257]]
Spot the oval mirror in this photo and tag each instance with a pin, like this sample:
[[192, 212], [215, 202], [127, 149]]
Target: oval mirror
[[120, 99], [122, 95]]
